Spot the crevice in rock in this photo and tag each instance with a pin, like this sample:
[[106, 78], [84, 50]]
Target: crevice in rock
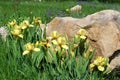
[[92, 40], [115, 54]]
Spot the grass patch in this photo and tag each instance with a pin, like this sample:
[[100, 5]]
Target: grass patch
[[40, 65]]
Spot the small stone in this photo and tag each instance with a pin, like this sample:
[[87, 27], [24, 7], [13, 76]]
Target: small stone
[[76, 8], [3, 32]]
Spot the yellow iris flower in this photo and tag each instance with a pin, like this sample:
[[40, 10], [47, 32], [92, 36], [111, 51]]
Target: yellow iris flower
[[25, 24], [45, 44], [92, 66], [55, 35], [101, 68], [12, 23], [29, 48], [82, 33], [82, 37], [37, 21], [56, 39], [100, 63], [17, 32], [17, 27], [61, 43]]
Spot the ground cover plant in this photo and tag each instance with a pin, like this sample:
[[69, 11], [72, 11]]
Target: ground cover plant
[[27, 54]]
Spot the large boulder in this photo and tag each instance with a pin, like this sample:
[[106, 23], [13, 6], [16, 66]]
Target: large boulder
[[103, 31]]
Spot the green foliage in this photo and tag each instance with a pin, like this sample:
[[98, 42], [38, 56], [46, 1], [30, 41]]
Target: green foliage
[[47, 63], [109, 1], [40, 65]]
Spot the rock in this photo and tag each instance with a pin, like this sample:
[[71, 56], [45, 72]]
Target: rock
[[3, 32], [76, 8], [115, 62], [103, 31], [65, 25]]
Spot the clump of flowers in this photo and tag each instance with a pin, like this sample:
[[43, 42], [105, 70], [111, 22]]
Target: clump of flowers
[[16, 29], [19, 29], [100, 63], [79, 40], [54, 48], [30, 47], [58, 40]]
